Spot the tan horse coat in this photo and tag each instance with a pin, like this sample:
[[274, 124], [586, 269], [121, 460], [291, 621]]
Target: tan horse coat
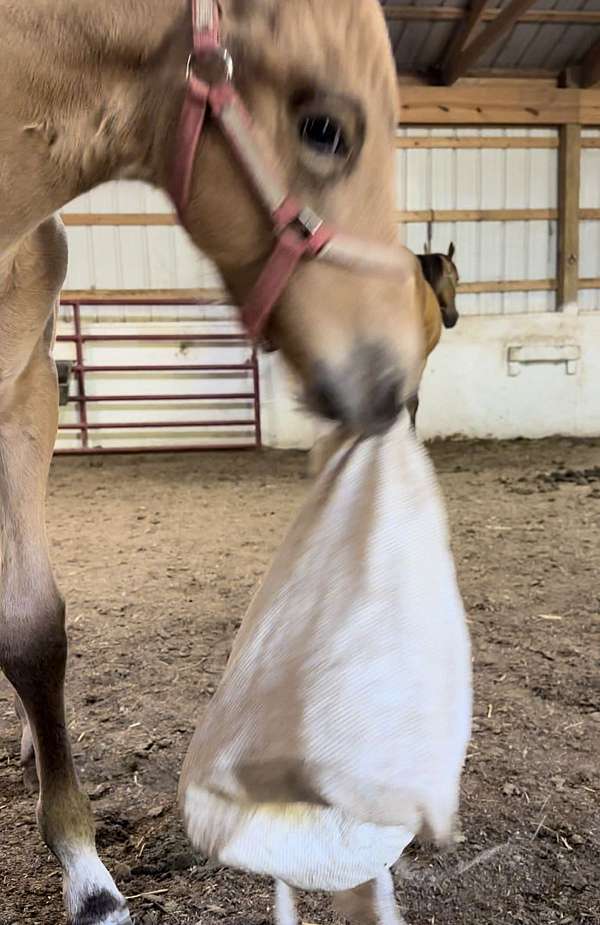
[[90, 92]]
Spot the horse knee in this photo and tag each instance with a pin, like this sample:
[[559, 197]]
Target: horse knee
[[33, 648]]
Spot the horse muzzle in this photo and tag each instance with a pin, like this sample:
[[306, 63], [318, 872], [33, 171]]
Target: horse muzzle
[[365, 395], [450, 319]]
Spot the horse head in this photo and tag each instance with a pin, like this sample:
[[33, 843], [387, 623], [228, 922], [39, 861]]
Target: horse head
[[319, 82], [441, 273]]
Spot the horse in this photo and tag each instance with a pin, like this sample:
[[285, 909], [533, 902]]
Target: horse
[[438, 306], [193, 97]]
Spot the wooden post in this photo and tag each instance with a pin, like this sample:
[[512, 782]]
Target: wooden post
[[569, 188]]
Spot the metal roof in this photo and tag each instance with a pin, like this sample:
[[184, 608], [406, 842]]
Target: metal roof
[[551, 35]]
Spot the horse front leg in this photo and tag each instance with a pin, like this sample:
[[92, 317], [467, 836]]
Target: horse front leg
[[30, 778], [372, 903], [33, 643]]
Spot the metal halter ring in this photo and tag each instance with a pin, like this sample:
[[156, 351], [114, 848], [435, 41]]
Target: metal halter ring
[[213, 66]]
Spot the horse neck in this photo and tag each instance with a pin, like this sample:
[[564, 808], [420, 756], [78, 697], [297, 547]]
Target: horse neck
[[91, 93]]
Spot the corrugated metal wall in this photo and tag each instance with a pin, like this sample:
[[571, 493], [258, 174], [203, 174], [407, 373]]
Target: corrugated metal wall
[[589, 300], [136, 257], [151, 257], [461, 179]]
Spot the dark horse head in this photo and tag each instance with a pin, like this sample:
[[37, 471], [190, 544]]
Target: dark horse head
[[441, 273]]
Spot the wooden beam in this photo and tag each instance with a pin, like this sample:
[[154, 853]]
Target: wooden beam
[[523, 285], [479, 215], [217, 297], [119, 219], [473, 52], [426, 216], [590, 75], [569, 191], [398, 13], [463, 35], [480, 143], [481, 104], [408, 217], [143, 296], [515, 285], [486, 142]]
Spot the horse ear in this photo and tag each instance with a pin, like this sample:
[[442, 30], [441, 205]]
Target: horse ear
[[451, 251], [426, 247]]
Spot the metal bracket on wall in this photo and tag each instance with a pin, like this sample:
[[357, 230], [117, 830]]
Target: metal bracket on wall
[[569, 354]]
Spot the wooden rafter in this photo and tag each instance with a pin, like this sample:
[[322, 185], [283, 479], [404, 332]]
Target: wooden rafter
[[454, 13], [591, 66], [463, 35], [472, 53]]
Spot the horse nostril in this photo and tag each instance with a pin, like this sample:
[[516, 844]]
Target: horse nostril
[[386, 404], [450, 318], [325, 397], [364, 395]]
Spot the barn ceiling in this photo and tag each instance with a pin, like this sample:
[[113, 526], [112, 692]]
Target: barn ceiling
[[445, 40]]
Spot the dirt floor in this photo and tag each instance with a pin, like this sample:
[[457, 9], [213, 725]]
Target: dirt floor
[[158, 558]]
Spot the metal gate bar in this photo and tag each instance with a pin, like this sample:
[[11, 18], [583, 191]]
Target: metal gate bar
[[83, 399]]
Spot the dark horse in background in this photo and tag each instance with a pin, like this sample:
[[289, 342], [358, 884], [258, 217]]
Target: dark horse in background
[[438, 306]]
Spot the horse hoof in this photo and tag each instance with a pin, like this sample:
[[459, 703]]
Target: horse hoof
[[102, 908]]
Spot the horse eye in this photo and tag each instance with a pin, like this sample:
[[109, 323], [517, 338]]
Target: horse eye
[[324, 135]]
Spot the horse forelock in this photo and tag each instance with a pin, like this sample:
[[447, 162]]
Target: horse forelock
[[341, 44]]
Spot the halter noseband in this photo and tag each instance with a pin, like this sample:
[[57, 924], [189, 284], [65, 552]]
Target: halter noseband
[[299, 232]]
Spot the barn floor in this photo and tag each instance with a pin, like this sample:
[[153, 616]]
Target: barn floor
[[158, 558]]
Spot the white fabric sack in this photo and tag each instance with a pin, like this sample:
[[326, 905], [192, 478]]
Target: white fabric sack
[[340, 727]]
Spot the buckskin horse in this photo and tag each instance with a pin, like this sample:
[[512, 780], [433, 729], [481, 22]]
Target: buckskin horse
[[438, 306], [193, 98]]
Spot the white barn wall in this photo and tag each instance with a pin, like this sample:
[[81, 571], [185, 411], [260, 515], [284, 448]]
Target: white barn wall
[[590, 231], [470, 178], [467, 389]]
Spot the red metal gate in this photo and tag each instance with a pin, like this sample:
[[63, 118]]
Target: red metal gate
[[247, 370]]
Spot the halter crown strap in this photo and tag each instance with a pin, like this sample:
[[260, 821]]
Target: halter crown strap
[[205, 20], [205, 32]]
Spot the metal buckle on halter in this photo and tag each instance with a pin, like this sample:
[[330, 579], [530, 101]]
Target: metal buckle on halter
[[309, 222], [212, 66]]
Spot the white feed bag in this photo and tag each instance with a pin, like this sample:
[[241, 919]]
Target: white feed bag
[[340, 727]]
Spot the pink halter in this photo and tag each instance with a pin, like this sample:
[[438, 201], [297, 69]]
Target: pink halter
[[299, 232]]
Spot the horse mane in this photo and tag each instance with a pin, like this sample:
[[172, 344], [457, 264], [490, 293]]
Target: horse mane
[[432, 266]]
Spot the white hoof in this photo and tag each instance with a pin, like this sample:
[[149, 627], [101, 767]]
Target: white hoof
[[118, 917], [102, 909], [91, 897]]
